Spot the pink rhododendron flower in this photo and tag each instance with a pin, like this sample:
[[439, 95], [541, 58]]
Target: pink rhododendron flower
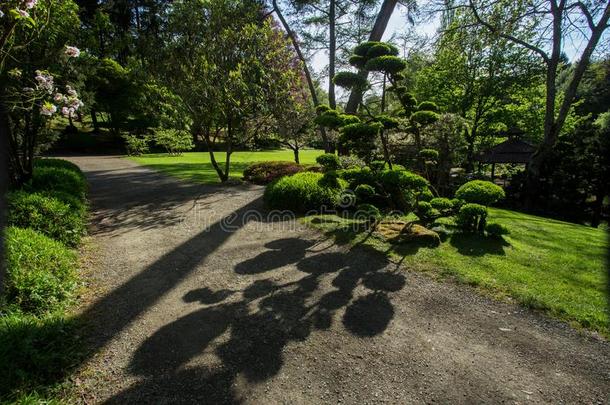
[[59, 98], [72, 51], [29, 4], [48, 109], [23, 13]]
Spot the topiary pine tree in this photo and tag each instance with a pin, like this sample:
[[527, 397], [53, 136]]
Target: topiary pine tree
[[382, 57]]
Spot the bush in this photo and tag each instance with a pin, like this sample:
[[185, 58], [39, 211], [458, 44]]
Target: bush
[[266, 172], [76, 204], [304, 191], [495, 229], [45, 179], [426, 195], [367, 212], [404, 180], [174, 141], [355, 177], [472, 217], [444, 205], [35, 351], [41, 272], [136, 145], [351, 162], [46, 215], [480, 192], [329, 161], [59, 164], [364, 192], [423, 208]]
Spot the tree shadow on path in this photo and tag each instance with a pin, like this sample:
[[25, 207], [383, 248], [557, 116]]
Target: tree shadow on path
[[247, 331]]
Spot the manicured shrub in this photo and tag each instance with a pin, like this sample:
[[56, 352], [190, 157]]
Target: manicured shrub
[[444, 205], [364, 192], [41, 271], [367, 212], [329, 161], [35, 351], [429, 154], [377, 165], [472, 217], [457, 204], [480, 192], [355, 177], [46, 215], [58, 179], [266, 172], [59, 164], [495, 229], [304, 191], [403, 179], [349, 80], [75, 203], [423, 207], [426, 195]]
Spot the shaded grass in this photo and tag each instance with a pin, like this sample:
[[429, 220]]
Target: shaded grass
[[196, 166], [545, 264]]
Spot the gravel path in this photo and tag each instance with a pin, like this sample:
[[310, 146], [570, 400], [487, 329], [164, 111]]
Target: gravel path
[[200, 301]]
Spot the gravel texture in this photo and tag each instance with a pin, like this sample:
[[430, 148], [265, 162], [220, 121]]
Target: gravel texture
[[201, 300]]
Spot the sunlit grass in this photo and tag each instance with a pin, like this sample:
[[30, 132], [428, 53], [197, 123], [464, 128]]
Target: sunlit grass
[[546, 264], [196, 166]]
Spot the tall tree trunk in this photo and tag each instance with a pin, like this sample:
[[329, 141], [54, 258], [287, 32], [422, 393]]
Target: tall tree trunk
[[332, 49], [328, 148], [381, 22]]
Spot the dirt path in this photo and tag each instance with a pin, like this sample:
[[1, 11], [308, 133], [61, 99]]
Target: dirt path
[[194, 308]]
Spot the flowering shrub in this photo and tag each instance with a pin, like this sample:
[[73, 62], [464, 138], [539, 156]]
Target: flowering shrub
[[266, 172]]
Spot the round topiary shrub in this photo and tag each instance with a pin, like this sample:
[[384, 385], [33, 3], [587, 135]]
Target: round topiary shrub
[[306, 191], [367, 212], [41, 271], [497, 230], [426, 195], [442, 204], [329, 161], [472, 217], [480, 192], [364, 192], [355, 177], [266, 172], [58, 179], [46, 215]]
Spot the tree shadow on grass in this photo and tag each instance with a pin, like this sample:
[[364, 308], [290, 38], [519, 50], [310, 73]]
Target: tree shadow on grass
[[248, 330], [474, 244]]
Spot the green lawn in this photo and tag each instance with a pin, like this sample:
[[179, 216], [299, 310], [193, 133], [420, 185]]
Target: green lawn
[[196, 166], [543, 263]]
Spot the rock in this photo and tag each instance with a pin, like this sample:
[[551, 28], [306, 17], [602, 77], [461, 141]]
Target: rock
[[397, 231]]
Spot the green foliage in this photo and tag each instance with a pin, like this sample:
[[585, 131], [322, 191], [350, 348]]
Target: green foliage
[[429, 154], [426, 195], [46, 215], [136, 145], [58, 163], [47, 179], [35, 351], [350, 80], [424, 208], [367, 211], [329, 119], [364, 192], [355, 177], [443, 205], [362, 49], [472, 217], [403, 180], [424, 117], [360, 138], [428, 106], [357, 61], [329, 161], [266, 172], [347, 119], [174, 141], [322, 108], [480, 192], [495, 229], [387, 121], [41, 271], [304, 192], [387, 64], [381, 49]]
